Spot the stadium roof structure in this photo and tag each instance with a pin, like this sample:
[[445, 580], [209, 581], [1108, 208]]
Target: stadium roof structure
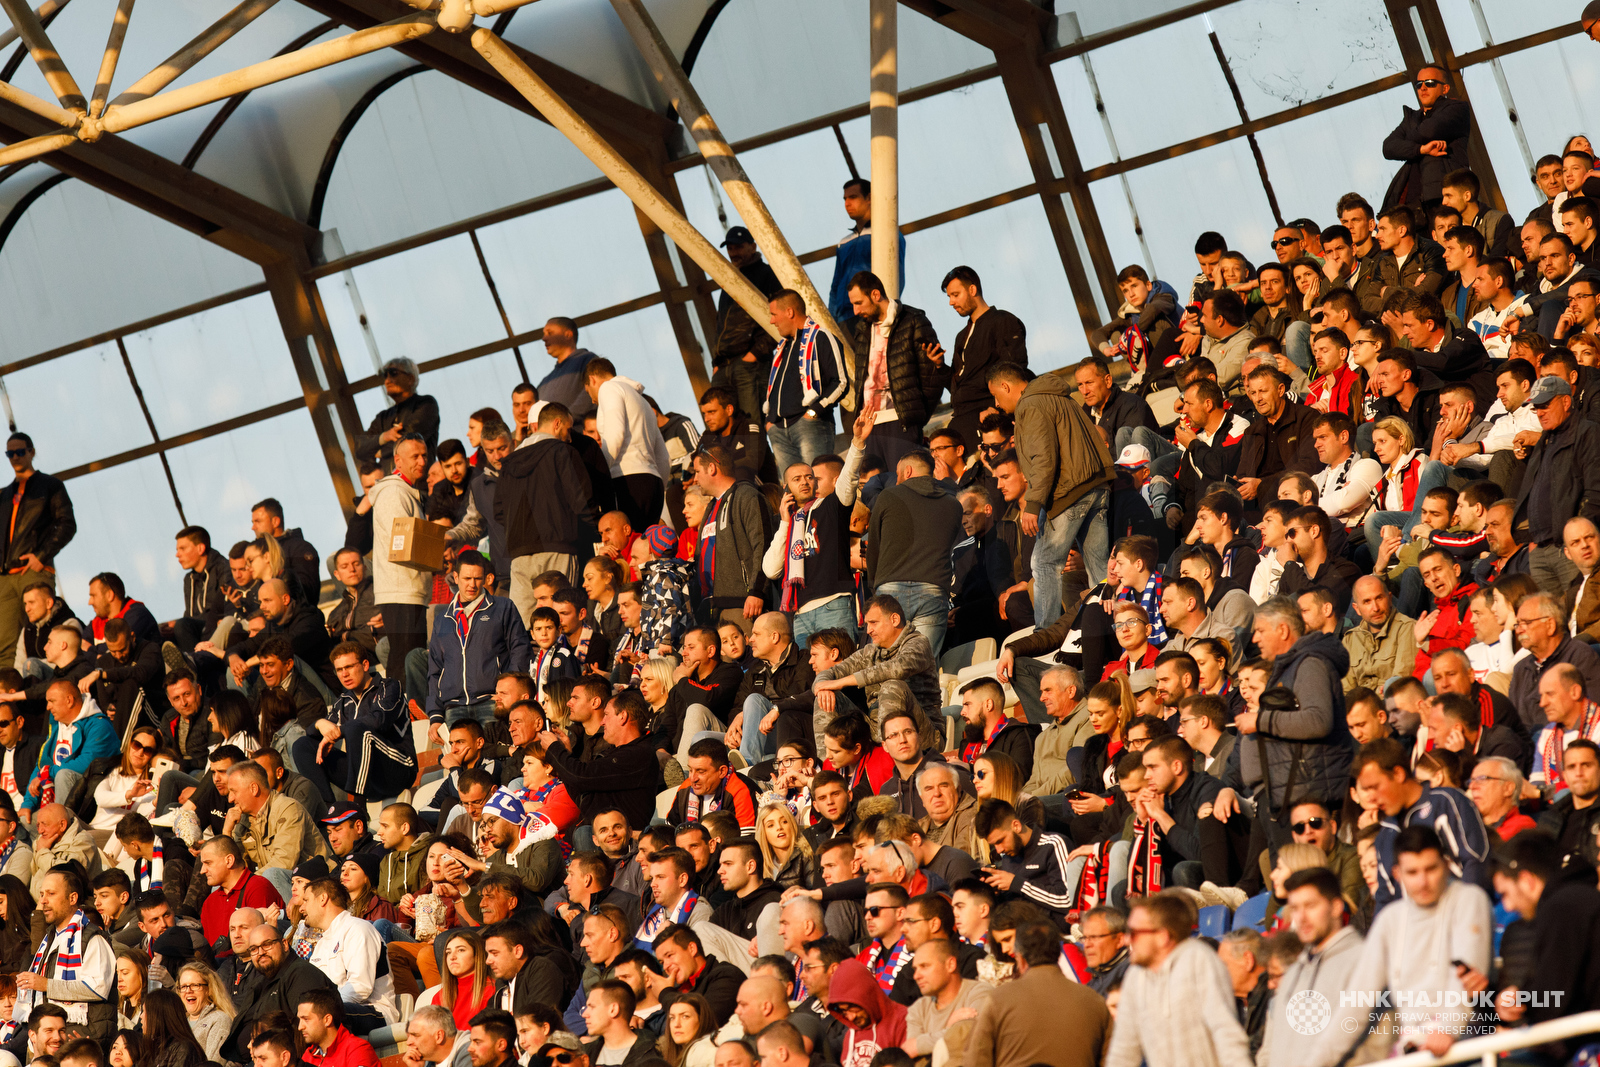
[[217, 222]]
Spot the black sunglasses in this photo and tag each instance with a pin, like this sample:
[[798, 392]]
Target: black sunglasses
[[16, 453], [1430, 83], [1309, 824], [1285, 241], [878, 909]]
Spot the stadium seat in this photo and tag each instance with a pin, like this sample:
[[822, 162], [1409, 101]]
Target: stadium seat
[[1253, 912], [1215, 920]]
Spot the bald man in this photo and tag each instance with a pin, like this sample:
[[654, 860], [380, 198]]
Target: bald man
[[1384, 645], [775, 699], [762, 1001], [286, 617], [236, 966], [79, 735]]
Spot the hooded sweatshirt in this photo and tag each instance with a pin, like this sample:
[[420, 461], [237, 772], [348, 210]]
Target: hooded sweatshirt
[[628, 433], [886, 1027], [395, 498], [402, 871], [914, 526]]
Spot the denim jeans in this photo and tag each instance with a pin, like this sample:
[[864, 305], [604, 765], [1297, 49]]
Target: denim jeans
[[483, 711], [1297, 345], [754, 745], [838, 614], [800, 442], [1055, 541], [1432, 476], [927, 607], [1143, 435], [390, 932]]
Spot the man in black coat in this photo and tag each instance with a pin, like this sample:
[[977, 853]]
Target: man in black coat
[[625, 779], [1115, 410], [1453, 355], [1562, 481], [278, 980], [1563, 906], [124, 668], [39, 527], [302, 625], [409, 413], [989, 338], [743, 353], [542, 500], [1431, 141], [895, 375], [689, 970], [1279, 437]]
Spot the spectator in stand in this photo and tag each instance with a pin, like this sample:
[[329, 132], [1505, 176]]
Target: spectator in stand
[[109, 599], [743, 352], [805, 384], [732, 541], [41, 525], [564, 385], [897, 376], [545, 525], [1382, 772], [1121, 414], [1320, 918], [1228, 335], [1496, 789], [896, 668], [1069, 472], [983, 706], [400, 593], [914, 527], [355, 617], [626, 778], [1383, 647], [485, 638], [1431, 141], [1461, 190], [266, 520], [205, 575], [1031, 864], [854, 253], [727, 424], [633, 445], [1560, 483], [989, 338], [1317, 567], [408, 414], [125, 668]]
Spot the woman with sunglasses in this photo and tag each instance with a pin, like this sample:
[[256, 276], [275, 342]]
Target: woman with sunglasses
[[129, 787], [210, 1008], [689, 1040], [786, 854], [996, 775]]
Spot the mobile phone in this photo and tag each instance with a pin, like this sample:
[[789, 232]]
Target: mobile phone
[[1073, 794], [1463, 964], [162, 765]]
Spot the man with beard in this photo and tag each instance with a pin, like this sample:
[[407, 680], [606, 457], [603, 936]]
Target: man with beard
[[277, 982]]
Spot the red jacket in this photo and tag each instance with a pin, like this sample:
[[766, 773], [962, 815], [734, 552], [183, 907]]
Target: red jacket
[[1453, 628], [1146, 661], [347, 1050]]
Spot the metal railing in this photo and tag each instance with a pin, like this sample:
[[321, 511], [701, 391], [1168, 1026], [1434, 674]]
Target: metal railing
[[1487, 1049]]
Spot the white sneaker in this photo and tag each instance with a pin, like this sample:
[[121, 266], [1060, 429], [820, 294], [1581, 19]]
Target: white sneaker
[[1193, 894], [166, 820], [1228, 896]]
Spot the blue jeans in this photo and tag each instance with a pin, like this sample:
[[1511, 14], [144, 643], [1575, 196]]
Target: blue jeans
[[390, 932], [837, 614], [927, 607], [1143, 435], [754, 745], [483, 711], [1432, 476], [1297, 345], [800, 442], [1055, 541]]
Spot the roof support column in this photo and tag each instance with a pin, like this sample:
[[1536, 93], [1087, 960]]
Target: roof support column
[[884, 112], [678, 295]]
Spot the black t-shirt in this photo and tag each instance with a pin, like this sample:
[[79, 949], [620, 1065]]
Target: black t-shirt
[[209, 806]]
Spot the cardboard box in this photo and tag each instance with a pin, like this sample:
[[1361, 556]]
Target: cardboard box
[[418, 544]]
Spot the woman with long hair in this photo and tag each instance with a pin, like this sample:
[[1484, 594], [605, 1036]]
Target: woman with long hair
[[557, 691], [432, 914], [549, 963], [1408, 475], [127, 1049], [996, 776], [16, 925], [786, 853], [133, 975], [689, 1040], [128, 788], [231, 720], [1110, 711], [279, 727], [468, 988], [209, 1007], [359, 875], [166, 1028], [1310, 285]]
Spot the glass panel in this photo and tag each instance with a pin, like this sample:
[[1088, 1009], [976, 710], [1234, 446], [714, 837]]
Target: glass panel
[[423, 303], [1077, 98], [1505, 154], [75, 236], [1510, 19], [431, 151], [1285, 54], [213, 366], [220, 478], [1012, 250], [1141, 77], [57, 403], [460, 390], [802, 182], [821, 67], [958, 147], [566, 260], [126, 522], [1313, 192], [1554, 87]]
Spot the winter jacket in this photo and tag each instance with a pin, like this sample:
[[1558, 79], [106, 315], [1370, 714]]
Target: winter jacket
[[307, 633], [737, 332], [1453, 629], [788, 686], [1123, 408], [93, 737], [1563, 460], [282, 834], [1229, 354], [628, 433], [995, 337], [741, 529], [44, 523], [909, 659], [627, 778], [1453, 816], [668, 609], [1422, 178], [1281, 446], [1312, 744], [395, 498], [404, 871], [415, 414], [1158, 318], [564, 385], [463, 666], [480, 521], [351, 618], [302, 563], [541, 499], [260, 997], [853, 256], [202, 591], [914, 527], [1423, 269], [1061, 453], [914, 379]]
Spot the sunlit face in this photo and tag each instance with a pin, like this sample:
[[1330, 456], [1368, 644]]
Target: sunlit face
[[1102, 716], [778, 828]]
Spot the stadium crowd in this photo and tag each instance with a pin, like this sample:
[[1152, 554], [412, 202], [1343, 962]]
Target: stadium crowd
[[907, 706]]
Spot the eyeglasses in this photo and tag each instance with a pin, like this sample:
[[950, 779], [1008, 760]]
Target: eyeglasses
[[1285, 242], [191, 987], [1429, 83], [980, 775], [16, 453], [993, 450], [7, 722], [1521, 621], [785, 760], [1475, 779], [1309, 824], [1294, 531], [1096, 937], [899, 735], [1126, 624], [878, 909]]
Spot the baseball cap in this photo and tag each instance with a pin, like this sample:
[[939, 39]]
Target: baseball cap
[[339, 813], [1547, 389], [562, 1039], [1134, 456], [738, 236], [1142, 680]]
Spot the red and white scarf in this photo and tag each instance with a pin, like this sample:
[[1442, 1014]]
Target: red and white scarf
[[1555, 742], [1145, 874]]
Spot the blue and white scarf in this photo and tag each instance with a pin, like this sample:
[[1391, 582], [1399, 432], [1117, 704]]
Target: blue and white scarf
[[804, 343], [660, 918], [68, 960], [146, 873]]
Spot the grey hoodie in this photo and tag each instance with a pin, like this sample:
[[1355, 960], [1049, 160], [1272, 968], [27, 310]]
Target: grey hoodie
[[914, 526]]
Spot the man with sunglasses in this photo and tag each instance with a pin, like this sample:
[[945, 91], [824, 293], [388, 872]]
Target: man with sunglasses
[[1313, 822], [1431, 141], [1308, 529], [38, 524], [19, 755]]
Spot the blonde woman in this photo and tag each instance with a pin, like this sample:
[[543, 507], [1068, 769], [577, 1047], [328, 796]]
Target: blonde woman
[[557, 691], [1408, 475], [786, 854], [1295, 856], [655, 682], [210, 1008]]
